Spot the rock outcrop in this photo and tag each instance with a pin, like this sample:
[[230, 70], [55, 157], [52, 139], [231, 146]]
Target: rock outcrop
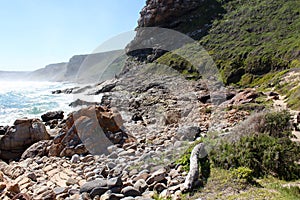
[[164, 13], [52, 115], [18, 138], [90, 129], [184, 21]]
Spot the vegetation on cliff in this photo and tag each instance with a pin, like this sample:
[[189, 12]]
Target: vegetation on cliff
[[255, 37], [251, 38]]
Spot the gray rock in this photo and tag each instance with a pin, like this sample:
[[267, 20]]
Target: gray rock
[[189, 133], [89, 174], [24, 133], [85, 196], [32, 176], [89, 186], [159, 187], [130, 191], [98, 191], [114, 182], [157, 176], [71, 181], [111, 165], [59, 190], [141, 185]]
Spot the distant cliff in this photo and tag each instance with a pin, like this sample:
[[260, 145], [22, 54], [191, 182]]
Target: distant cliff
[[52, 72], [82, 68], [90, 68]]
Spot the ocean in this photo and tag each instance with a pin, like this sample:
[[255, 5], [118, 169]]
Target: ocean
[[31, 99]]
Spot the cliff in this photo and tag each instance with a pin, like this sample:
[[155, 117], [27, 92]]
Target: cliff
[[52, 72], [87, 68], [246, 39]]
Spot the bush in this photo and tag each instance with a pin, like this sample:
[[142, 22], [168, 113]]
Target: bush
[[277, 124], [243, 173], [261, 153]]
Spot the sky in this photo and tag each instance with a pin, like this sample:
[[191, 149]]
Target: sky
[[35, 33]]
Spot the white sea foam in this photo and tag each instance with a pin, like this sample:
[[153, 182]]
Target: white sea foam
[[31, 99]]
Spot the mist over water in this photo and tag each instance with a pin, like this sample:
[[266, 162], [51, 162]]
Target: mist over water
[[19, 99]]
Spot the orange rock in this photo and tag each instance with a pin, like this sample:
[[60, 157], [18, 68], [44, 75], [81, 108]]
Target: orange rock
[[14, 188]]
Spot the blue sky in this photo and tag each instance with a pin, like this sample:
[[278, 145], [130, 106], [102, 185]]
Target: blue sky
[[35, 33]]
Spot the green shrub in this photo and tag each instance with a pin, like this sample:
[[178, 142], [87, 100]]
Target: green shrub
[[243, 173], [277, 124], [261, 153]]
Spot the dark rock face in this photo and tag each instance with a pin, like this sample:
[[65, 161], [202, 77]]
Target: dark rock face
[[52, 115], [3, 129], [18, 138], [65, 91], [161, 12], [106, 88], [186, 18]]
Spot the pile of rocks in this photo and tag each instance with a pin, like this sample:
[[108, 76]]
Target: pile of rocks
[[114, 176]]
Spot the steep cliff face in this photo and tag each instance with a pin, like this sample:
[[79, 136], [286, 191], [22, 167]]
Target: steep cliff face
[[90, 68], [74, 65], [192, 17]]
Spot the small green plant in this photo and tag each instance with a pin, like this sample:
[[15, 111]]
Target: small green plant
[[243, 173]]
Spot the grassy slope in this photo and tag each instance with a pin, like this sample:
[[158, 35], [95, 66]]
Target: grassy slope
[[223, 185], [255, 37], [252, 38]]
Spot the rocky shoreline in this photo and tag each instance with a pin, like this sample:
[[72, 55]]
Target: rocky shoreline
[[124, 148]]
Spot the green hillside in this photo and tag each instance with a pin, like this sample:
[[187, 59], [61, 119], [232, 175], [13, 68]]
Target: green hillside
[[252, 38]]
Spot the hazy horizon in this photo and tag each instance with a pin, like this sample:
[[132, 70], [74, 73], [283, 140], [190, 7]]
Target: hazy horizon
[[38, 33]]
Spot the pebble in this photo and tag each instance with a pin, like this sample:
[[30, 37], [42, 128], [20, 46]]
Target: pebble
[[75, 158]]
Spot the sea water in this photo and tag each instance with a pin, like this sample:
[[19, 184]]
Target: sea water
[[31, 99]]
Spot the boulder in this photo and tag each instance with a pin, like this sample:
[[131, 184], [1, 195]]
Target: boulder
[[89, 186], [189, 133], [52, 115], [92, 129], [246, 96], [22, 135], [38, 149], [130, 191]]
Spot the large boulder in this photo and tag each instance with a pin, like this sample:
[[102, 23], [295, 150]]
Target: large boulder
[[18, 138], [89, 130]]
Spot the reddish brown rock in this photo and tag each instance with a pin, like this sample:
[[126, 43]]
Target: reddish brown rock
[[90, 129], [246, 96], [18, 138]]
